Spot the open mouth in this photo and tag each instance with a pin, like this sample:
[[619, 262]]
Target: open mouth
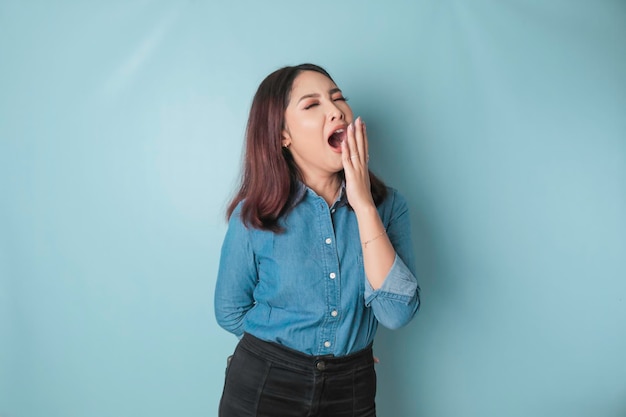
[[336, 138]]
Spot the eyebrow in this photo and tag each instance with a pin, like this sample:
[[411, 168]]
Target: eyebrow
[[330, 92]]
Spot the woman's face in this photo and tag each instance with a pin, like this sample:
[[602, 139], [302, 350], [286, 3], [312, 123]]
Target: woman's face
[[316, 122]]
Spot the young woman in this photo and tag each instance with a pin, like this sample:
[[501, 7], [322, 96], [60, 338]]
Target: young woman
[[318, 252]]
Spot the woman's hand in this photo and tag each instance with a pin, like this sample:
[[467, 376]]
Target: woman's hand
[[355, 158], [378, 252]]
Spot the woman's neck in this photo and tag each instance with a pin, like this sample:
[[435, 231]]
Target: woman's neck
[[327, 188]]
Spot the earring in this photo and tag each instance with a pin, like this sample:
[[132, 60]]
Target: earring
[[285, 145]]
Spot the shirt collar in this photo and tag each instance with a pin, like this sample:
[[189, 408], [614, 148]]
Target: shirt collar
[[302, 189]]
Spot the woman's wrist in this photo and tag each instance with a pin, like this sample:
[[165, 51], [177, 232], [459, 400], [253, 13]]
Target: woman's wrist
[[365, 210]]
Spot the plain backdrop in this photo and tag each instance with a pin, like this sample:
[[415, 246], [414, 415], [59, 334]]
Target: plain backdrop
[[502, 122]]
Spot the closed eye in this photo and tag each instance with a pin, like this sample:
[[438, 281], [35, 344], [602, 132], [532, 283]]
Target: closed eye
[[315, 103]]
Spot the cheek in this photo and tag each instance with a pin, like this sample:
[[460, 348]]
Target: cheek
[[309, 126], [301, 124]]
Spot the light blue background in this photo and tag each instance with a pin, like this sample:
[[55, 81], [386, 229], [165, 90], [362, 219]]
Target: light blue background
[[502, 122]]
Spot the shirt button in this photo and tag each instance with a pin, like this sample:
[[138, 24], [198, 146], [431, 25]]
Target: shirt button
[[332, 211], [328, 241], [332, 275], [334, 313], [327, 343]]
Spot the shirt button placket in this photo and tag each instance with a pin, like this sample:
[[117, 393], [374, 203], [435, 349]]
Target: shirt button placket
[[327, 335]]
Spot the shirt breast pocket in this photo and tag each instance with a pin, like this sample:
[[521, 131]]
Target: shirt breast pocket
[[289, 270]]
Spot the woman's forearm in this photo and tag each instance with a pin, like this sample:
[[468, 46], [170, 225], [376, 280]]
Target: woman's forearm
[[378, 252]]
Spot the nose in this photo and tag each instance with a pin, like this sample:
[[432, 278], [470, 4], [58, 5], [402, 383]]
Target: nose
[[335, 113]]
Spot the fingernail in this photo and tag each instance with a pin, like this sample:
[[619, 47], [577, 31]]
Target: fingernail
[[351, 126]]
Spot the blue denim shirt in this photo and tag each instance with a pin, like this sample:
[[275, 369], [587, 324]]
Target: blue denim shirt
[[306, 288]]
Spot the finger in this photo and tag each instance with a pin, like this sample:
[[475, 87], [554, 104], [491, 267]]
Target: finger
[[354, 151], [345, 154], [366, 143], [360, 138]]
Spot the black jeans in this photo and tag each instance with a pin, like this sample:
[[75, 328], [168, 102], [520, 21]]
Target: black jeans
[[265, 379]]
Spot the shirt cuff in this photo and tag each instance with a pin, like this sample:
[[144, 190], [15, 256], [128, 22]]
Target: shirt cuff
[[400, 284]]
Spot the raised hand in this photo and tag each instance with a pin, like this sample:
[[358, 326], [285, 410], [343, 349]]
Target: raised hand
[[355, 158]]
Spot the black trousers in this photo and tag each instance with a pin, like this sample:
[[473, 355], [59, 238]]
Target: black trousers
[[265, 379]]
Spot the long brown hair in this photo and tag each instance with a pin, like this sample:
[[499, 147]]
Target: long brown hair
[[270, 175]]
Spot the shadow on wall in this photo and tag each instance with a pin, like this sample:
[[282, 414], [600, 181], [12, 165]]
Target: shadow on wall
[[403, 352]]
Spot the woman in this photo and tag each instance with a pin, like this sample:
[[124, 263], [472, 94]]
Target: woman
[[318, 251]]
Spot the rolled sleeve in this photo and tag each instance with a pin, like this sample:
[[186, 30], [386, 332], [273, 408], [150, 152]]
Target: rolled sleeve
[[399, 285], [397, 300]]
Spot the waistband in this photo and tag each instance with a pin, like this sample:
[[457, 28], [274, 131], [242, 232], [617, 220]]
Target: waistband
[[294, 359]]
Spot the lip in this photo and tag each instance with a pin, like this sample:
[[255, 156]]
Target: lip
[[343, 128], [338, 127]]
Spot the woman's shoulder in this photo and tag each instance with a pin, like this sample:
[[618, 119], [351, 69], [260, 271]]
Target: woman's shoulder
[[233, 214], [236, 217], [238, 223], [394, 196], [393, 203]]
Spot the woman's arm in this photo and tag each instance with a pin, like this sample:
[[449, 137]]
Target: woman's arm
[[378, 252], [236, 278], [388, 258], [397, 300]]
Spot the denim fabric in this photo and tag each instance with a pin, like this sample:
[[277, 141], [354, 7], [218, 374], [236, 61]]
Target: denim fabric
[[306, 288], [268, 380]]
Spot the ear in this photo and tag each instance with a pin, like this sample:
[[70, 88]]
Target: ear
[[286, 140]]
